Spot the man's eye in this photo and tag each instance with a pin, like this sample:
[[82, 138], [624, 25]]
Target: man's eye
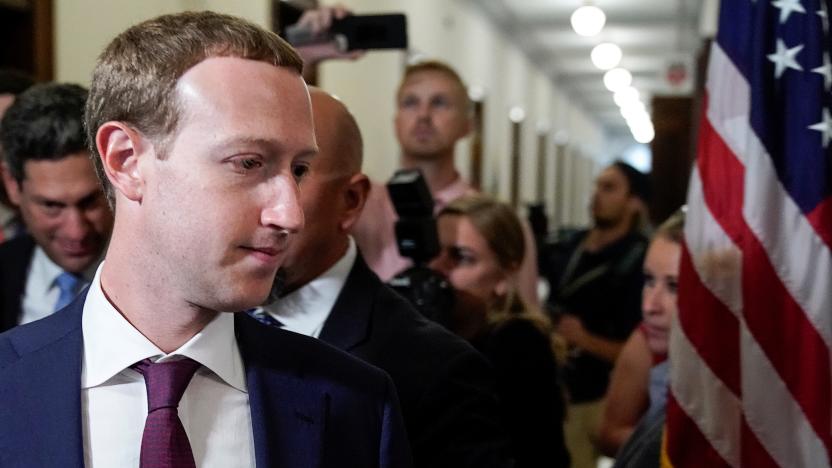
[[299, 171], [250, 164], [52, 208], [441, 102], [247, 164], [408, 102]]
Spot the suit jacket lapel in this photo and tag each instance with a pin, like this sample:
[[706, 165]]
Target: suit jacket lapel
[[349, 321], [45, 388], [288, 413]]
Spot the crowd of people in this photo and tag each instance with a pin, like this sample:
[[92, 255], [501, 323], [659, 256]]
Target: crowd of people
[[193, 268]]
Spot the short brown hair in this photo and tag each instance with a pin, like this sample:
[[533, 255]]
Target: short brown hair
[[439, 67], [136, 75]]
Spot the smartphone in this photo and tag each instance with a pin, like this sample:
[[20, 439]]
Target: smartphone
[[365, 32], [357, 32]]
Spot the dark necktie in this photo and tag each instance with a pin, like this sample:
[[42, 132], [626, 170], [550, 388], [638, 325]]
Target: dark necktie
[[164, 442]]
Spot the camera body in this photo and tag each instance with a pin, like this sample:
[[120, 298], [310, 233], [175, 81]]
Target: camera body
[[417, 239]]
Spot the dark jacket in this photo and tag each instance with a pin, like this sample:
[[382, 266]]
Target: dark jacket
[[311, 405], [15, 257], [445, 387]]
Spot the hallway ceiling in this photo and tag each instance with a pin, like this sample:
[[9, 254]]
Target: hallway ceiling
[[652, 34]]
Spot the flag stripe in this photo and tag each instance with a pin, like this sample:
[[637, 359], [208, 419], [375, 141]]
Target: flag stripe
[[821, 221], [717, 259], [708, 402], [711, 343], [753, 452], [799, 446], [686, 446]]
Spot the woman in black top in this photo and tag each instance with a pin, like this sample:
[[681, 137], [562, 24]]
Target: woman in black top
[[482, 247]]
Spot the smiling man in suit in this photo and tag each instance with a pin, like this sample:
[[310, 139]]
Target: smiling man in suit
[[49, 177], [445, 386], [201, 128]]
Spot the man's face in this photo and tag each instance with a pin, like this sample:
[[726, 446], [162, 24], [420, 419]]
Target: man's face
[[64, 209], [431, 115], [611, 199], [219, 210], [322, 195]]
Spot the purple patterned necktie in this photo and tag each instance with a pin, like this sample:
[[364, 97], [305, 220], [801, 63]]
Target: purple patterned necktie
[[164, 442]]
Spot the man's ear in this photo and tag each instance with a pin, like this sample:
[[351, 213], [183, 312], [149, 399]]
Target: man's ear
[[120, 146], [355, 195], [11, 184]]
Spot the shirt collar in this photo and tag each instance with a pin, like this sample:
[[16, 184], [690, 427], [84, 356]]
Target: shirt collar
[[306, 309], [450, 192], [112, 344]]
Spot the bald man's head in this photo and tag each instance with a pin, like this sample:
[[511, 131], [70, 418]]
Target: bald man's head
[[337, 133], [332, 194]]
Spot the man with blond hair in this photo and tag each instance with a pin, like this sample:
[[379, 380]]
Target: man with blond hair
[[433, 112], [201, 128]]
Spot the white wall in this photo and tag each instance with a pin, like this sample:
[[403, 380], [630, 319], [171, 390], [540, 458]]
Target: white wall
[[84, 27], [450, 30]]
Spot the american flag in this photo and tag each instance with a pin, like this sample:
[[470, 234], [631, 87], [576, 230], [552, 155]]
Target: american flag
[[750, 349]]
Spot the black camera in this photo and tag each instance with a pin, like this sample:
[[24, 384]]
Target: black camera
[[417, 239]]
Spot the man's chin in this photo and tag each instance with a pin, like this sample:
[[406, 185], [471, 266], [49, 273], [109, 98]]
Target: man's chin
[[75, 264]]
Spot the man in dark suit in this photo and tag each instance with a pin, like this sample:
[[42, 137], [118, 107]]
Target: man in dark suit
[[445, 386], [201, 128], [48, 175]]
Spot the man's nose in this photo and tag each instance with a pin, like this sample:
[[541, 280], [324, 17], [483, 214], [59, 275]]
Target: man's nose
[[283, 210], [75, 226]]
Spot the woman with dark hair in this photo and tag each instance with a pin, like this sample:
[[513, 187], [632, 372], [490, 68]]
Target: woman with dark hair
[[482, 247]]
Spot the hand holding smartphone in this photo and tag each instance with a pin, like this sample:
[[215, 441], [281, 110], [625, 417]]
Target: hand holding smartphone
[[354, 32]]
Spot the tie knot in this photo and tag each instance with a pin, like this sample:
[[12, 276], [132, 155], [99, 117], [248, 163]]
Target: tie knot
[[166, 381], [68, 282]]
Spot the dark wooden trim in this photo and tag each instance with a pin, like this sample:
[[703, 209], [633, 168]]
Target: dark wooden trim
[[43, 32]]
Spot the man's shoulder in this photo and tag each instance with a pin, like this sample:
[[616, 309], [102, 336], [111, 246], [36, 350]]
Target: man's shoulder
[[16, 251], [284, 352], [395, 324], [19, 342]]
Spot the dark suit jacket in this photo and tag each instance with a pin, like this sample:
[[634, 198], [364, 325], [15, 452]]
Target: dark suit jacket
[[445, 387], [15, 257], [311, 405]]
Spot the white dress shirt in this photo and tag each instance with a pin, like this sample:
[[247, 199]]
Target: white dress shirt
[[214, 409], [41, 292], [306, 309]]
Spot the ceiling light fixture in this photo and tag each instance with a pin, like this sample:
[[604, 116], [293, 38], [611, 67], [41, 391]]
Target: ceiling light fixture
[[588, 20], [617, 79], [606, 55], [626, 96]]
